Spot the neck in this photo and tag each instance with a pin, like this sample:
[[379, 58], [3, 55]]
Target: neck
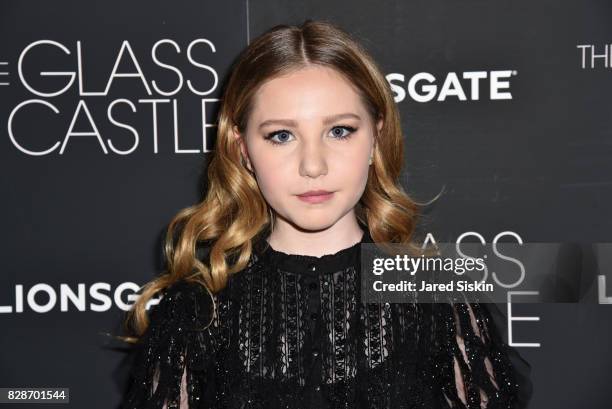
[[291, 239]]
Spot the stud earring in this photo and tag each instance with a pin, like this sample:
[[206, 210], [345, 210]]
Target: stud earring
[[370, 162]]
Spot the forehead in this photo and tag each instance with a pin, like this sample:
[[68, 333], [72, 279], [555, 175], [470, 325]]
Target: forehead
[[307, 93]]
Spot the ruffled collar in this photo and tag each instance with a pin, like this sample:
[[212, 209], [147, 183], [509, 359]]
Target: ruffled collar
[[304, 264]]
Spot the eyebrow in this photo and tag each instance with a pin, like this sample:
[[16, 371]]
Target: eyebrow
[[326, 120]]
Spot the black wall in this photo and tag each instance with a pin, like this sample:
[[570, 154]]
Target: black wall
[[89, 210]]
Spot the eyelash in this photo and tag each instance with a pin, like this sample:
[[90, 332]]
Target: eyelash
[[270, 135]]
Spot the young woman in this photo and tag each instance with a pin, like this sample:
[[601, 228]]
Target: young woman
[[261, 302]]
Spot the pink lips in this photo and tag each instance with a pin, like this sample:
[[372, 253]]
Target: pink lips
[[315, 196]]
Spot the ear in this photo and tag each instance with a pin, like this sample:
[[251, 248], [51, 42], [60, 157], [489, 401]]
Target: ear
[[243, 149]]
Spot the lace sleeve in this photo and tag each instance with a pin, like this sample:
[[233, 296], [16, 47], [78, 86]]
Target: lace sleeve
[[470, 359], [173, 357]]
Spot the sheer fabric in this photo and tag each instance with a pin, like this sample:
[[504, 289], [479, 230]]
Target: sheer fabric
[[290, 331]]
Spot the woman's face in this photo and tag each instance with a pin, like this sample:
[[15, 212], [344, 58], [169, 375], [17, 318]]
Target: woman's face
[[308, 131]]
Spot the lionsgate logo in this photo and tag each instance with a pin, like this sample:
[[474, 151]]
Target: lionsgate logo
[[466, 86], [97, 297], [154, 82]]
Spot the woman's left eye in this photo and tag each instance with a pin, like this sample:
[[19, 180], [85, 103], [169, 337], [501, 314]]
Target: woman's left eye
[[340, 135]]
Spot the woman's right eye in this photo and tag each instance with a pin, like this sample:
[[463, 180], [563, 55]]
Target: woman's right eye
[[282, 137]]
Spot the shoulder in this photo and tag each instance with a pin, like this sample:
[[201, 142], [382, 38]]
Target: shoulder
[[183, 305]]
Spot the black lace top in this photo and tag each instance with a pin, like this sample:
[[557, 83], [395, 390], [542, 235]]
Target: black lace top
[[290, 331]]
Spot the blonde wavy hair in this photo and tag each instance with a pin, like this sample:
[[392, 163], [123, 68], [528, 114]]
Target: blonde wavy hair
[[234, 212]]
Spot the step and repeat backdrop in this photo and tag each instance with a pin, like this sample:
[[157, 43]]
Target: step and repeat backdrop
[[107, 114]]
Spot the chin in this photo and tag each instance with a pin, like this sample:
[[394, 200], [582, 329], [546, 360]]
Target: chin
[[310, 221]]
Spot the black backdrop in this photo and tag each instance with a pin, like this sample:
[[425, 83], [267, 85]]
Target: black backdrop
[[94, 163]]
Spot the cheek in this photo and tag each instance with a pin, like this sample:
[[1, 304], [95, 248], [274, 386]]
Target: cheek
[[353, 177], [271, 181], [272, 176], [352, 164]]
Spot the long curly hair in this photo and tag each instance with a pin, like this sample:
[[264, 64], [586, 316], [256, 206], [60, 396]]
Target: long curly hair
[[234, 213]]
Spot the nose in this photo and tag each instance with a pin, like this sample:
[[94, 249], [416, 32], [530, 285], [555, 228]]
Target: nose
[[313, 162]]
